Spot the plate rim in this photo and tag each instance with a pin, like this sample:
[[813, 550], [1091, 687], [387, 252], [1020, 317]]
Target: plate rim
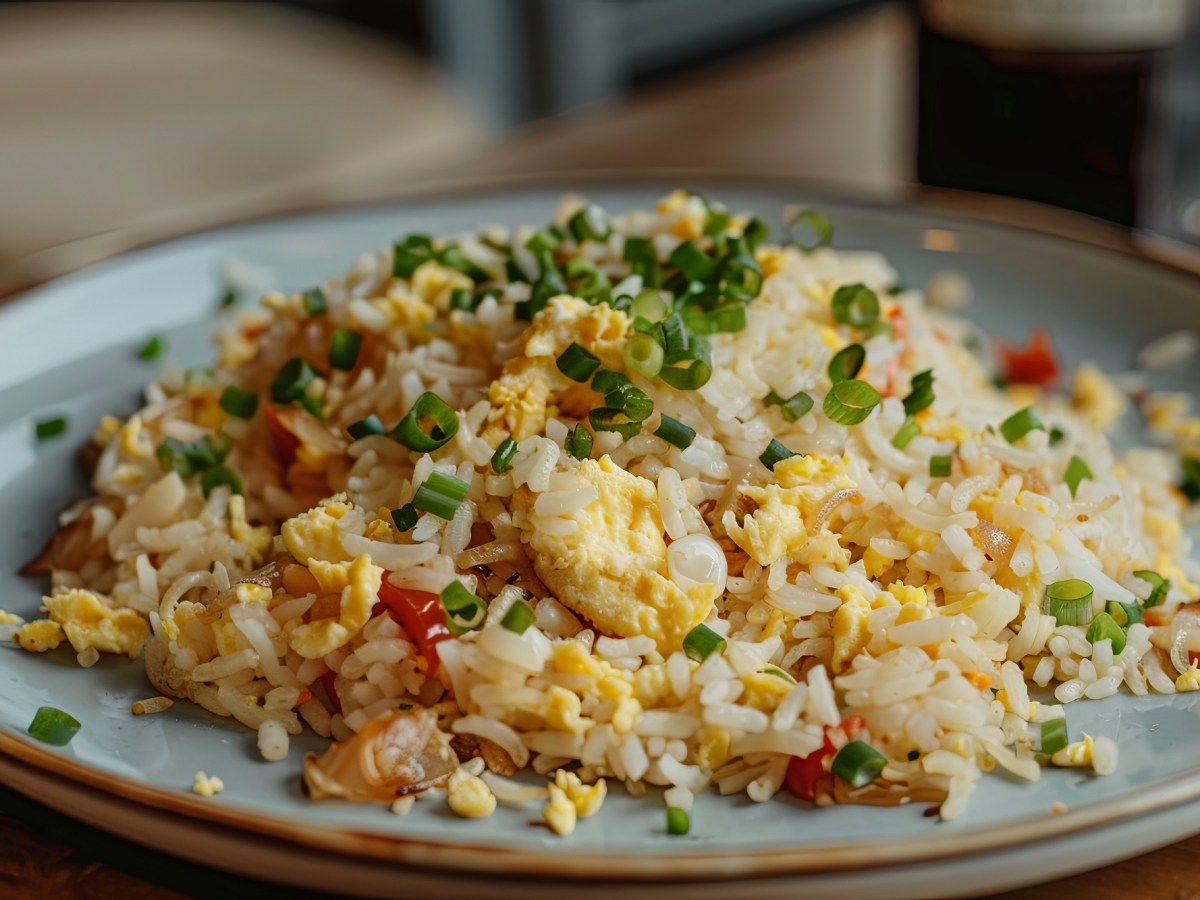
[[659, 866]]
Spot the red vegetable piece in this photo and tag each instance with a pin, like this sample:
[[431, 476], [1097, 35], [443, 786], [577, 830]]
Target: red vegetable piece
[[420, 614], [1035, 364], [803, 772]]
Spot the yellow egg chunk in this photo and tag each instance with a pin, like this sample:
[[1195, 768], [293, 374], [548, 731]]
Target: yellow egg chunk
[[39, 636], [89, 622], [359, 583], [850, 632], [315, 534], [612, 569]]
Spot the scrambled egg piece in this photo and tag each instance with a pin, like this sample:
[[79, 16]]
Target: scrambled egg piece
[[563, 710], [7, 618], [315, 534], [1189, 680], [433, 283], [257, 540], [207, 786], [850, 634], [88, 622], [559, 813], [530, 384], [1099, 400], [613, 568], [359, 585], [469, 796], [587, 798], [764, 690]]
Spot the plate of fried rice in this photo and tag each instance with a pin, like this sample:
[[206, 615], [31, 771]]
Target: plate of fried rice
[[626, 536]]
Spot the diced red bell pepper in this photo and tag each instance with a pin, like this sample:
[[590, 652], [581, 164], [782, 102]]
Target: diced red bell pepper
[[286, 443], [420, 614], [1035, 364], [899, 323], [804, 772], [1194, 657]]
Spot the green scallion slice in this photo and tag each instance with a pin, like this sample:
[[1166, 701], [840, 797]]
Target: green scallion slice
[[776, 452], [920, 395], [441, 495], [579, 442], [727, 319], [606, 381], [1105, 626], [453, 258], [293, 380], [217, 476], [410, 253], [50, 428], [405, 517], [1070, 601], [740, 278], [188, 459], [365, 427], [518, 618], [1056, 435], [430, 424], [905, 433], [650, 306], [1077, 470], [939, 466], [153, 348], [804, 222], [589, 224], [687, 378], [702, 641], [694, 263], [545, 241], [793, 407], [1020, 424], [643, 260], [847, 363], [644, 355], [1159, 586], [678, 821], [850, 402], [755, 232], [778, 673], [228, 299], [577, 363], [53, 726], [464, 611], [344, 345], [633, 402], [314, 302], [855, 305], [461, 298], [1053, 736], [502, 458], [1125, 614], [675, 432], [858, 764], [608, 418], [1190, 482], [239, 402]]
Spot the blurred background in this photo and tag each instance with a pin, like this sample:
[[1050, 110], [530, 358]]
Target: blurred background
[[122, 122]]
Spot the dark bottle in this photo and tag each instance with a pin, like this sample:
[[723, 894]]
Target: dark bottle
[[1046, 100]]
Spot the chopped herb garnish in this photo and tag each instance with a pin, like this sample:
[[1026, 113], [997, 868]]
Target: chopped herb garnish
[[441, 495], [678, 821], [239, 402], [314, 302], [464, 611], [850, 402], [153, 348], [847, 363], [920, 395], [1159, 586], [53, 726], [217, 476], [502, 458], [579, 442], [429, 425], [776, 452], [702, 641], [366, 427], [405, 517], [675, 432], [858, 764], [855, 305], [808, 229], [344, 345], [904, 435], [1070, 601], [518, 618], [1077, 470], [939, 466], [1020, 424], [293, 380], [577, 363], [794, 407], [1105, 626], [50, 428]]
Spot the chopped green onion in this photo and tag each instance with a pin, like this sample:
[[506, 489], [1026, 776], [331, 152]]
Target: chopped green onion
[[579, 442], [1077, 470], [366, 427], [644, 355], [441, 495], [778, 673], [755, 233], [632, 401], [344, 345], [643, 260], [847, 363], [904, 435], [1020, 424], [549, 284], [776, 452], [314, 302], [740, 278], [518, 618], [1054, 736], [794, 407], [650, 306], [1105, 626], [153, 348], [606, 381], [220, 475], [855, 305], [702, 641], [1056, 435], [545, 241], [461, 298], [858, 764], [1159, 586], [878, 327], [694, 263], [577, 363], [453, 258], [678, 821], [675, 432], [1125, 614], [939, 466], [49, 428], [239, 402], [1070, 601], [228, 299], [293, 380], [815, 222], [687, 378], [502, 458], [53, 726], [1190, 485], [725, 319], [920, 395], [514, 273], [896, 290], [405, 517], [410, 253], [850, 402], [188, 459], [464, 611], [589, 224], [430, 424], [716, 223], [608, 418]]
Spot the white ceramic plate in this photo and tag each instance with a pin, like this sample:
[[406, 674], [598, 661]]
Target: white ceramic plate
[[69, 347]]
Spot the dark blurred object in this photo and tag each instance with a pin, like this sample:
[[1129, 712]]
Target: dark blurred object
[[1050, 100]]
